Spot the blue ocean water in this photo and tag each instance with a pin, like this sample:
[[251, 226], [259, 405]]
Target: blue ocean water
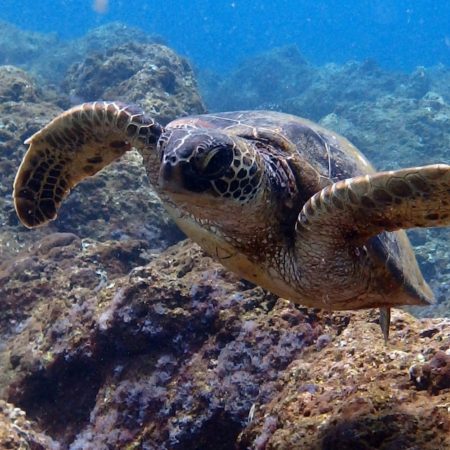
[[216, 34]]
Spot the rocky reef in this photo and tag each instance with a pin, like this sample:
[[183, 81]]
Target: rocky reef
[[17, 433], [263, 82], [392, 117], [18, 47], [135, 350], [149, 75], [48, 57], [24, 109], [116, 335]]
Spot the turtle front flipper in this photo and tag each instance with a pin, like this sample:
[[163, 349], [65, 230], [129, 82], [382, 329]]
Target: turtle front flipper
[[339, 234], [75, 145], [359, 208]]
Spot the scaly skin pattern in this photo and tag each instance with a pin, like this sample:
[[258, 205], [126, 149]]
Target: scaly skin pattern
[[357, 209], [76, 144], [277, 199]]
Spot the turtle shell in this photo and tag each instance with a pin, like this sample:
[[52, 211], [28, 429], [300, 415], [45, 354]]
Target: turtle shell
[[331, 155]]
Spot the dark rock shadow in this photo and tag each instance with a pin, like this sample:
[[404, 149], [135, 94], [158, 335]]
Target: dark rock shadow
[[60, 399], [389, 429]]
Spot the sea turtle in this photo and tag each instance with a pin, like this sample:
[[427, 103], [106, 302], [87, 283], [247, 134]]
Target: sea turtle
[[277, 199]]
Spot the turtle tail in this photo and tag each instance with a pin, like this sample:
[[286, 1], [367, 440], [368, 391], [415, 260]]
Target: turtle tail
[[76, 144]]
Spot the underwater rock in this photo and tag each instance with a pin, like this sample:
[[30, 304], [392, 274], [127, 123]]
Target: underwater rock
[[113, 34], [180, 354], [434, 375], [19, 47], [396, 132], [113, 345], [49, 57], [361, 395], [22, 113], [417, 85], [16, 432], [62, 260], [177, 349], [55, 60], [149, 75], [261, 82], [17, 85], [392, 117], [433, 253], [336, 87], [440, 80], [283, 80]]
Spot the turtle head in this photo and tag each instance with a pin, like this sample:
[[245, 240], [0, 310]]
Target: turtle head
[[208, 169]]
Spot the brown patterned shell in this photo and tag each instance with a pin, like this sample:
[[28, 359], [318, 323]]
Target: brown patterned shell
[[331, 155]]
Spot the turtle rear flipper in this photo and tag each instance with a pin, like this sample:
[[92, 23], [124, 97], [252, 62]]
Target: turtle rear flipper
[[75, 145]]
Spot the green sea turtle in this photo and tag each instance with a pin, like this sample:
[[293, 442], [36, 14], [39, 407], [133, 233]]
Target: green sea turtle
[[279, 200]]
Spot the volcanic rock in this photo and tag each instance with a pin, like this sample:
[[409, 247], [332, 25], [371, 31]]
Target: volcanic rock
[[180, 354]]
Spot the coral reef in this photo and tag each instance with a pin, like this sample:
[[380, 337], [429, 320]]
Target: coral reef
[[179, 354], [149, 75]]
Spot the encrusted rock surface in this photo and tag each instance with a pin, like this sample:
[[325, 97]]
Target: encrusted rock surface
[[396, 131], [392, 117], [263, 82], [149, 75], [49, 57], [23, 111], [17, 433], [55, 60], [17, 85], [19, 47], [179, 354], [358, 393]]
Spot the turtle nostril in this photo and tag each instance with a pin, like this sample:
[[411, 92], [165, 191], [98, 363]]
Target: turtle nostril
[[212, 164], [166, 171]]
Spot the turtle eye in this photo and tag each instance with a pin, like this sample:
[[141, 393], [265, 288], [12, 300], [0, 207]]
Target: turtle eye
[[214, 162]]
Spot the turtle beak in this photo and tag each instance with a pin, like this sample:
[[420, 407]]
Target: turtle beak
[[170, 178], [181, 178]]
